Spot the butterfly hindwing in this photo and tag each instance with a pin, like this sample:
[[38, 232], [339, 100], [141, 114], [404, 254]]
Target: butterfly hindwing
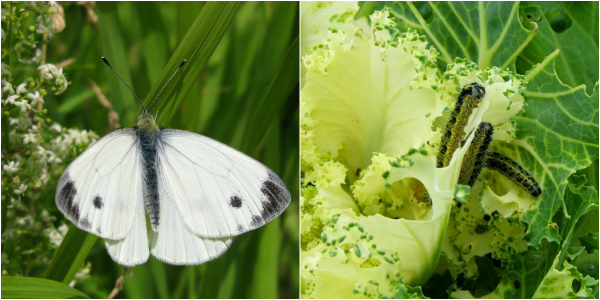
[[99, 190], [175, 244], [219, 191], [133, 249]]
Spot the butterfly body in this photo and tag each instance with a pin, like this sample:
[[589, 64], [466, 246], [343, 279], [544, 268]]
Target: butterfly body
[[148, 132]]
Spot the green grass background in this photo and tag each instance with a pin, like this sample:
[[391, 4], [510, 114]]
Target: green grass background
[[244, 94]]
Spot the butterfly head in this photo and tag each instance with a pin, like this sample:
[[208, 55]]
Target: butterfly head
[[147, 122]]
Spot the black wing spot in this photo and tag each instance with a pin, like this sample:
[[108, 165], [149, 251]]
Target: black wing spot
[[277, 197], [272, 206], [240, 228], [98, 202], [99, 231], [235, 201], [66, 197], [256, 221], [85, 223]]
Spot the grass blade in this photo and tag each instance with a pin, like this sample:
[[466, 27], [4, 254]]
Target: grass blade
[[113, 47], [36, 288], [197, 46], [70, 255], [275, 97]]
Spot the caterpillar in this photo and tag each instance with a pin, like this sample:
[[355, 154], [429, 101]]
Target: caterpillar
[[478, 156], [511, 169], [469, 99], [474, 159]]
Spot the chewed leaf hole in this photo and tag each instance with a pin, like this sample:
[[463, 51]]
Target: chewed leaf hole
[[371, 262], [407, 199]]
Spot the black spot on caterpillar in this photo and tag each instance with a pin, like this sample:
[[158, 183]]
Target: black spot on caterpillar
[[474, 159], [509, 168], [469, 99]]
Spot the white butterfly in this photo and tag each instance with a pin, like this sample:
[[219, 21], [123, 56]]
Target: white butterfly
[[198, 193]]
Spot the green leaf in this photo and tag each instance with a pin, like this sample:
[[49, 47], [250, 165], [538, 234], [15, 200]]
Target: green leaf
[[32, 288], [566, 283], [578, 43], [590, 241], [488, 33], [70, 255], [532, 269], [557, 134], [529, 271], [579, 200]]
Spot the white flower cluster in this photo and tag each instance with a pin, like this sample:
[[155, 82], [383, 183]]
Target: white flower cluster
[[27, 47], [65, 142], [25, 99], [83, 273], [51, 73], [35, 150], [40, 6], [44, 156], [45, 25], [47, 148], [57, 235], [12, 167]]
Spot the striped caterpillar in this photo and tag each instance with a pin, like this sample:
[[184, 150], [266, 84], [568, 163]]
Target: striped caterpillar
[[477, 156], [474, 159], [469, 99], [513, 171]]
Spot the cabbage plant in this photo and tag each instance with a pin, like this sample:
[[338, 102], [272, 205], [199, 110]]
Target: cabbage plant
[[379, 218]]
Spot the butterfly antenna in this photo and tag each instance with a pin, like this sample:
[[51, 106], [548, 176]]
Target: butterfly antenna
[[181, 65], [106, 62]]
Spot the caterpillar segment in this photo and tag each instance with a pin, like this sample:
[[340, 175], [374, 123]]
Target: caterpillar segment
[[513, 171], [467, 101], [474, 159]]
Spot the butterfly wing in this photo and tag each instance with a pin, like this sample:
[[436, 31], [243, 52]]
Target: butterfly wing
[[133, 249], [219, 191], [100, 189], [172, 243], [175, 244]]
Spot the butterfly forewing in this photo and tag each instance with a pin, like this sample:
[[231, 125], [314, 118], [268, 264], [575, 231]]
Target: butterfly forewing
[[99, 190], [223, 192]]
